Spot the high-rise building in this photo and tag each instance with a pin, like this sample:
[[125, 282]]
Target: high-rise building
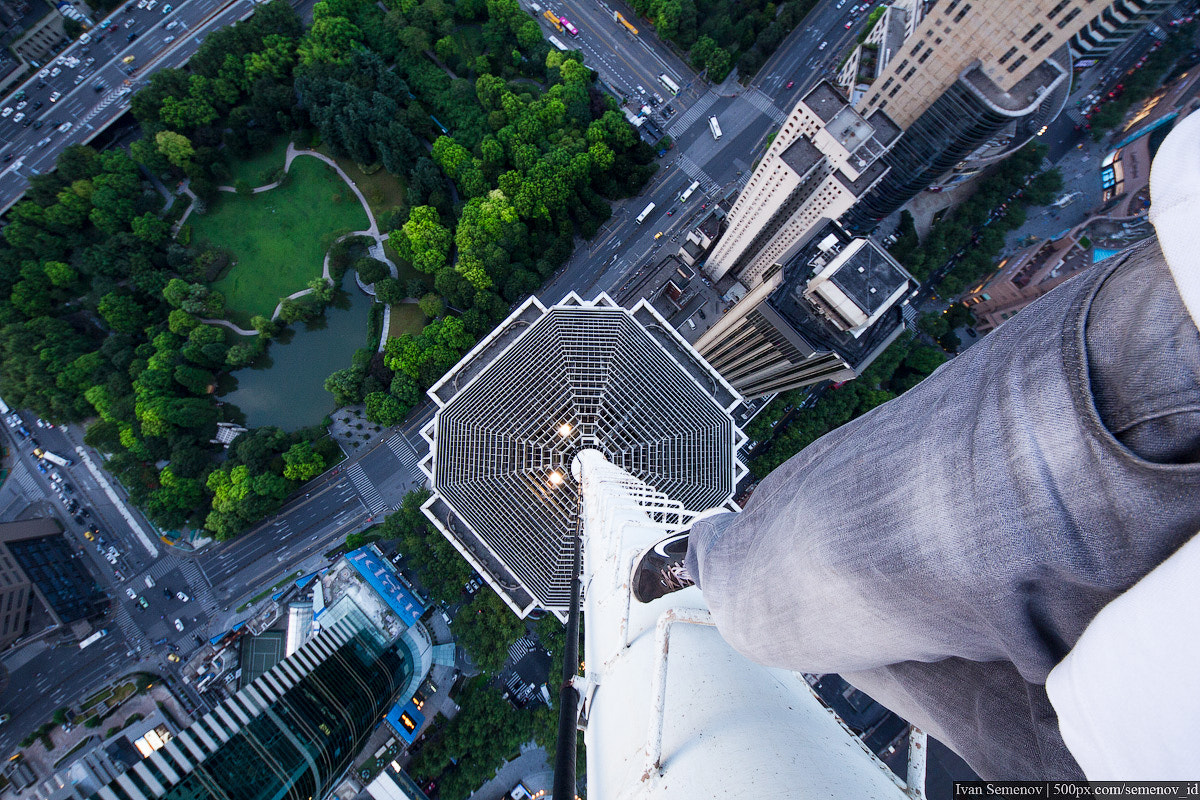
[[1114, 25], [833, 306], [547, 382], [823, 159], [293, 731], [38, 568]]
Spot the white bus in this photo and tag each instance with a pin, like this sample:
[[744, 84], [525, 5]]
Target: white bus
[[688, 191], [645, 213], [714, 127], [95, 637], [671, 85], [554, 40]]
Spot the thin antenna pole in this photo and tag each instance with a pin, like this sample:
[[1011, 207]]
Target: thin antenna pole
[[568, 697]]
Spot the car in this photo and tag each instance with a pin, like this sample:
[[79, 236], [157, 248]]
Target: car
[[149, 582], [142, 4], [849, 25], [79, 79], [178, 624], [38, 105], [640, 89], [166, 593], [54, 73], [173, 24], [823, 45], [182, 596], [44, 72], [66, 126], [89, 62], [20, 115], [658, 235], [91, 537], [671, 213], [790, 84], [143, 602], [54, 96], [99, 87], [130, 70], [6, 112], [173, 658], [39, 124], [167, 8], [129, 23], [22, 104], [150, 6], [168, 40], [129, 591]]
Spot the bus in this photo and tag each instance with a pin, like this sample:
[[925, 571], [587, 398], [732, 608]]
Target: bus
[[554, 40], [95, 637], [52, 457], [571, 29], [553, 19], [671, 85], [686, 193], [645, 213], [619, 17], [714, 127]]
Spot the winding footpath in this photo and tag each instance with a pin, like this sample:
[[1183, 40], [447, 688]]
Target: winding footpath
[[376, 248]]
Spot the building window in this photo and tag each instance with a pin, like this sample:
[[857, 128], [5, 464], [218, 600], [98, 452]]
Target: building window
[[1012, 51], [917, 47], [886, 84], [1045, 38], [958, 17], [950, 7], [909, 74], [1032, 32], [1017, 64], [900, 68], [937, 41], [1054, 12], [1062, 23], [892, 93], [925, 55]]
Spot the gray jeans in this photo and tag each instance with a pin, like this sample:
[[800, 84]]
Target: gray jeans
[[945, 550]]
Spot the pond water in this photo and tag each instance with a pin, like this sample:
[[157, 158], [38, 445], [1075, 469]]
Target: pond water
[[287, 386]]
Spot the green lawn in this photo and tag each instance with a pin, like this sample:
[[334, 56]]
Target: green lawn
[[260, 169], [383, 190], [276, 236], [406, 318]]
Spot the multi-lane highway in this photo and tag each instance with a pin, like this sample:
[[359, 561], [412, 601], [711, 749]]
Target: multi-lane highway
[[68, 104]]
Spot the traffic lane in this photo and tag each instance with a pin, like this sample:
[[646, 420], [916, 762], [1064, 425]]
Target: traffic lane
[[630, 49], [55, 677], [611, 55], [305, 517]]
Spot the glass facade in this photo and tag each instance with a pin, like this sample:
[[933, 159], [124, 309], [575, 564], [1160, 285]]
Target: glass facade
[[291, 734], [50, 563]]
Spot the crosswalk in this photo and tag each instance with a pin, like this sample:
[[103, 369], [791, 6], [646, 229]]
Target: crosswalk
[[201, 593], [133, 634], [25, 480], [521, 648], [764, 104], [698, 109], [366, 490], [404, 451], [696, 173]]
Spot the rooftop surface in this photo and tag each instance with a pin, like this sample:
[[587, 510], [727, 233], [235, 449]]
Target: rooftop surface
[[824, 100], [869, 276], [545, 384]]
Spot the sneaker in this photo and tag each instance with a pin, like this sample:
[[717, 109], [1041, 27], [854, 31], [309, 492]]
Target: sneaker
[[660, 570]]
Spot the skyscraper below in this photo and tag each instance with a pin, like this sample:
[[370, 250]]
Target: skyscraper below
[[833, 306]]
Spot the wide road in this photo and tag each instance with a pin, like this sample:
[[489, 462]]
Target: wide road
[[81, 110]]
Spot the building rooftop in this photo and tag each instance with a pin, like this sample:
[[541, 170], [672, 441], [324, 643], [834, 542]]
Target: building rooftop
[[824, 100], [801, 156], [545, 384], [788, 306], [1024, 96], [886, 130], [868, 276]]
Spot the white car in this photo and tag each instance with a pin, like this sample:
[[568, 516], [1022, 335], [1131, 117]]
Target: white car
[[66, 126], [178, 624], [22, 104], [54, 96], [823, 45], [168, 40], [54, 73], [172, 25], [43, 142], [132, 594], [142, 4], [6, 112], [44, 72], [182, 596], [150, 6], [18, 116]]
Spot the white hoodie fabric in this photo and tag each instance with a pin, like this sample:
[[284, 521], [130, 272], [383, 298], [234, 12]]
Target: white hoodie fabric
[[1128, 694]]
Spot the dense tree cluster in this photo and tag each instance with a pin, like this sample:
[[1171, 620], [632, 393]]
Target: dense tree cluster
[[722, 34], [903, 365], [1145, 80], [973, 232]]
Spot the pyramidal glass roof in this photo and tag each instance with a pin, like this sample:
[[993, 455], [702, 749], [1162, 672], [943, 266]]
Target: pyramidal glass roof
[[547, 383]]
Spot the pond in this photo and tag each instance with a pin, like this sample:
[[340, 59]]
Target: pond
[[287, 386]]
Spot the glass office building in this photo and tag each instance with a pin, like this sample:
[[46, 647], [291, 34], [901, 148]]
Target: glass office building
[[291, 733]]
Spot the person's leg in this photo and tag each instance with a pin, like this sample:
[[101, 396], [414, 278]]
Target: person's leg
[[988, 513]]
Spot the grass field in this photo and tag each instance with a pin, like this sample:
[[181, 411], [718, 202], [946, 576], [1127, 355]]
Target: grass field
[[275, 236], [260, 169], [383, 190], [406, 318]]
